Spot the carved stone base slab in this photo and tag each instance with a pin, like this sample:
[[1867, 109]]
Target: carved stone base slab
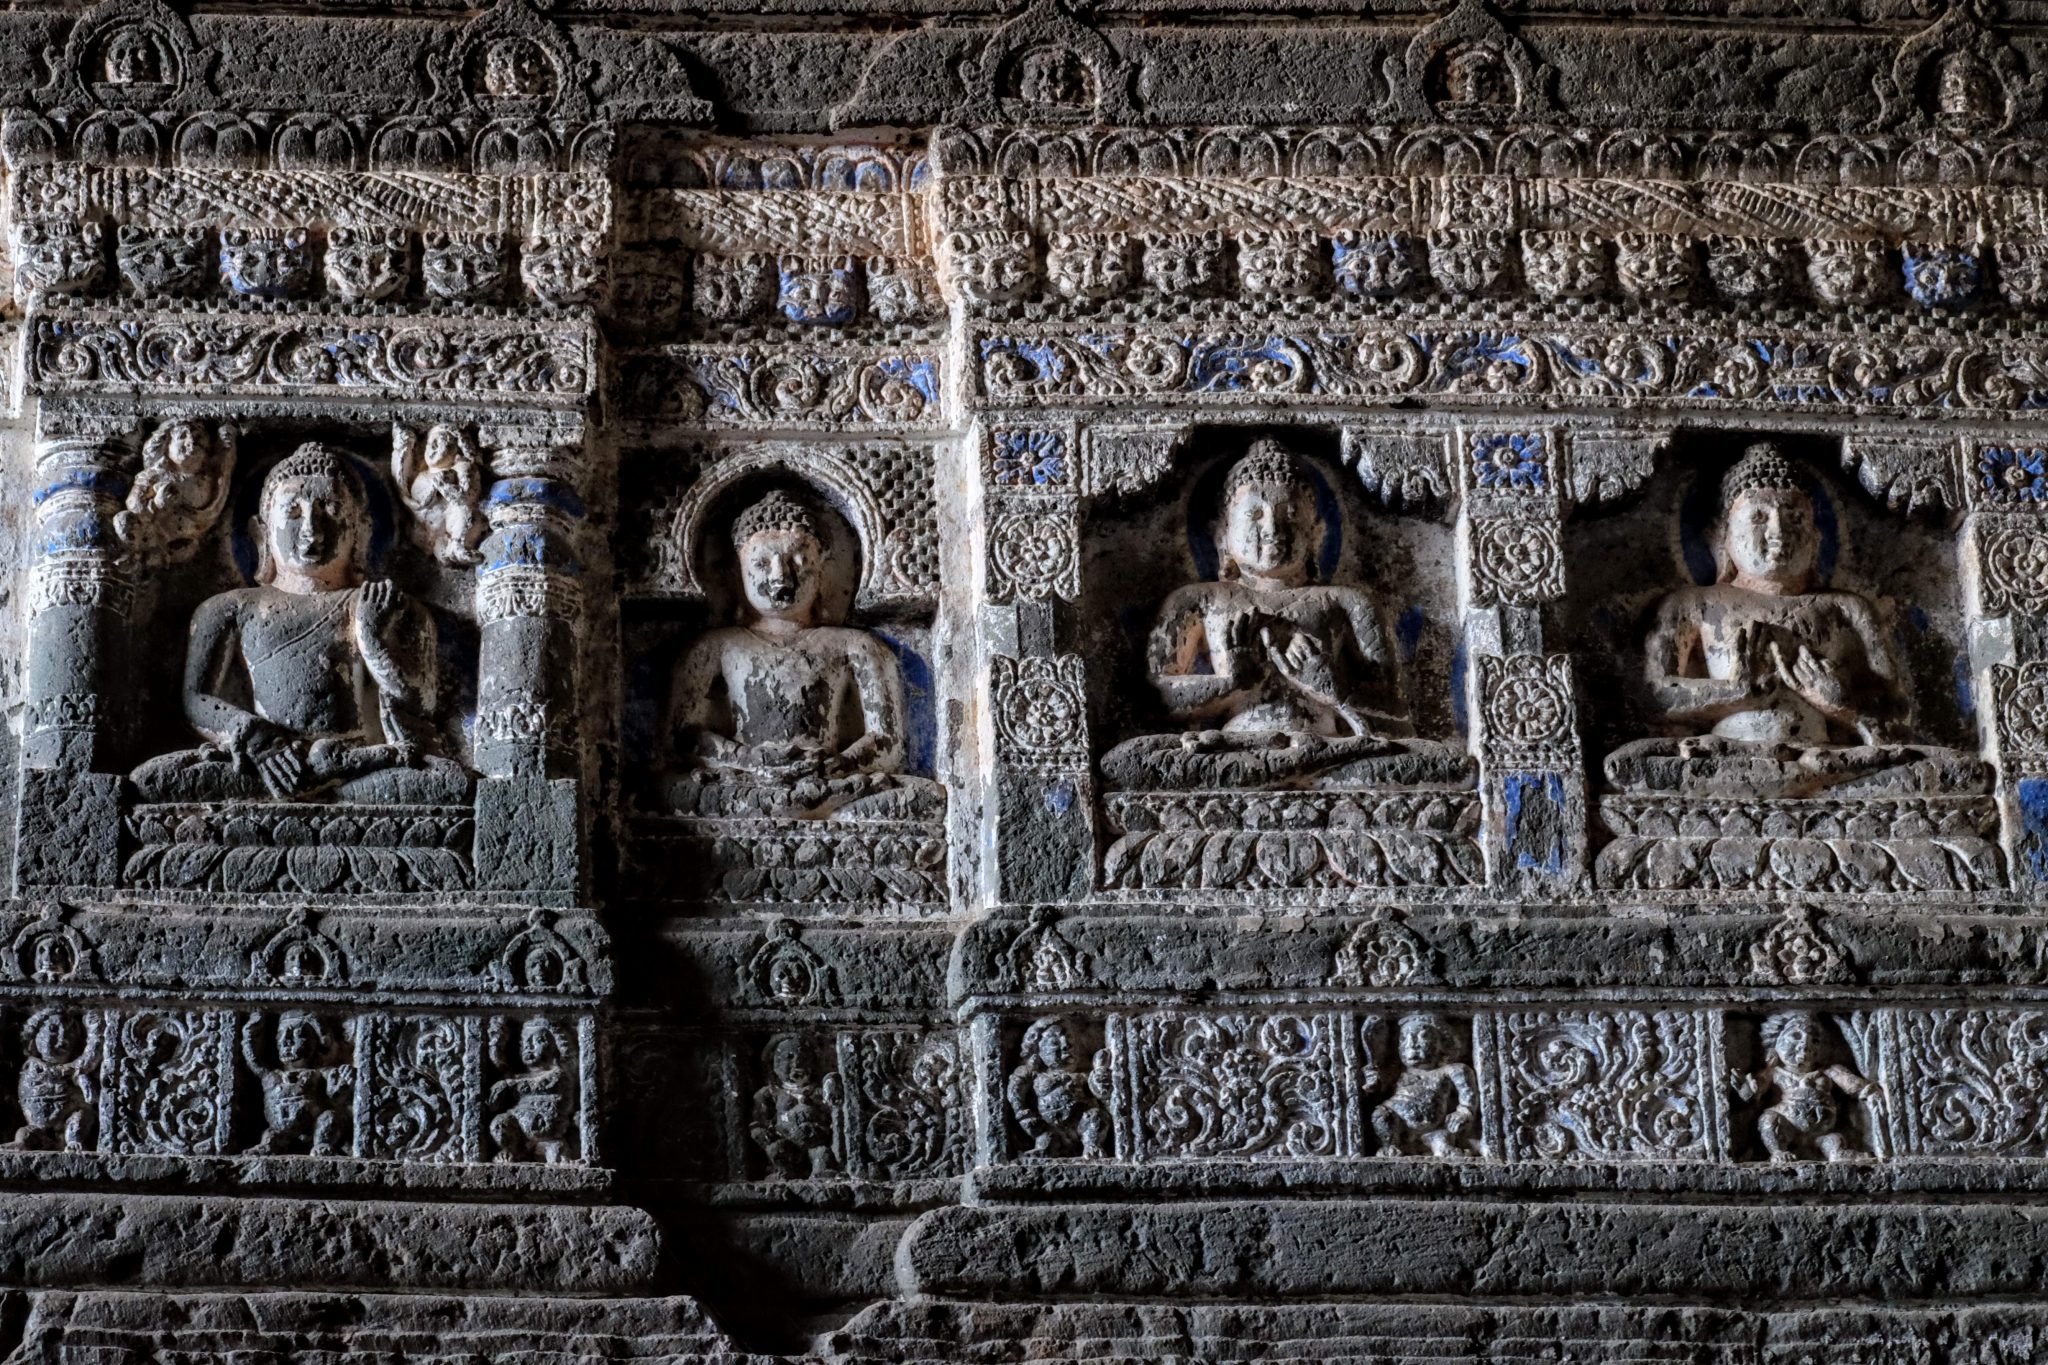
[[303, 847], [887, 866], [1922, 843], [1291, 841]]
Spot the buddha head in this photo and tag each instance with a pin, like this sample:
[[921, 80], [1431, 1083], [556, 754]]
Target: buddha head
[[1790, 1038], [1271, 528], [1768, 522], [782, 558], [312, 522]]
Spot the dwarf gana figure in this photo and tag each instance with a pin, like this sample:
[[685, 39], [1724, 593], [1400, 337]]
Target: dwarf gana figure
[[1804, 1122], [306, 1094], [1283, 682], [1434, 1102], [534, 1109], [1057, 1106], [56, 1088], [318, 682], [789, 714], [792, 1118], [1781, 688]]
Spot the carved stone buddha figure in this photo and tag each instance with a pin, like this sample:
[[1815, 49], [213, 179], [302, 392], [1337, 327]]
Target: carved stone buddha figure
[[1779, 688], [789, 714], [317, 682], [1283, 682]]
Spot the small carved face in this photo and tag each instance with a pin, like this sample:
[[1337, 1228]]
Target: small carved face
[[538, 1043], [647, 297], [1772, 536], [899, 292], [1055, 1048], [790, 1060], [298, 1039], [1379, 265], [132, 59], [55, 1038], [1468, 260], [1654, 265], [1847, 272], [460, 267], [1265, 527], [2023, 272], [992, 267], [818, 290], [1477, 74], [1564, 265], [780, 571], [561, 270], [1747, 267], [310, 521], [1423, 1040], [730, 288], [1965, 90], [517, 68], [1794, 1043], [1089, 267], [55, 257], [366, 264], [1284, 265], [1183, 263], [265, 263], [154, 263], [1052, 77]]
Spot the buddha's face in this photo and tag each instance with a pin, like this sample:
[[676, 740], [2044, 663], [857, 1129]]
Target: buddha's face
[[780, 570], [311, 523], [1422, 1042], [1795, 1042], [1267, 529], [1772, 537]]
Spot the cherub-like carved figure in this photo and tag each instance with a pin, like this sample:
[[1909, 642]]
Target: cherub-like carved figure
[[440, 479], [1058, 1107], [181, 489], [57, 1089], [317, 682], [789, 714], [1284, 682], [1805, 1121], [535, 1109], [1782, 689], [792, 1118], [1434, 1102], [306, 1095]]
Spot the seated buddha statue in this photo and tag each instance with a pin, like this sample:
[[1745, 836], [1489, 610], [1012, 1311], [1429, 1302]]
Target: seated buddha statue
[[318, 682], [1775, 687], [787, 714], [1281, 681]]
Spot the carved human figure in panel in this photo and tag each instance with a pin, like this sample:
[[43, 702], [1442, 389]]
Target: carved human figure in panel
[[1805, 1120], [1282, 681], [318, 682], [306, 1090], [792, 1113], [534, 1108], [57, 1088], [1058, 1106], [1778, 688], [789, 714], [1434, 1103]]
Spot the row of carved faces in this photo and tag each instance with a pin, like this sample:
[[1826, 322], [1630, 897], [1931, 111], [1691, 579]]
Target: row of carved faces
[[352, 264], [501, 1089], [1245, 1086], [996, 267]]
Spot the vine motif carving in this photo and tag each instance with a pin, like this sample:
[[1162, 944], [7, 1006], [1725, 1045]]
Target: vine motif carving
[[174, 1082], [1625, 1085], [1236, 1085], [907, 1087]]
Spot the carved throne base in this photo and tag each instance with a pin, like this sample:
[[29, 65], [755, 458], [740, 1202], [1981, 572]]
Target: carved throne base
[[1291, 841], [896, 866], [1879, 844], [304, 847]]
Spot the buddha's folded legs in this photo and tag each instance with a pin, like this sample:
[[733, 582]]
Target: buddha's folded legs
[[1711, 766], [1263, 762]]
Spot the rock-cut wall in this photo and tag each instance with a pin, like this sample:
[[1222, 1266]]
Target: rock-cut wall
[[1125, 681]]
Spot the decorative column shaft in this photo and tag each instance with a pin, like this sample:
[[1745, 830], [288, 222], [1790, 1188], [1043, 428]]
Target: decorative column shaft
[[529, 612]]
